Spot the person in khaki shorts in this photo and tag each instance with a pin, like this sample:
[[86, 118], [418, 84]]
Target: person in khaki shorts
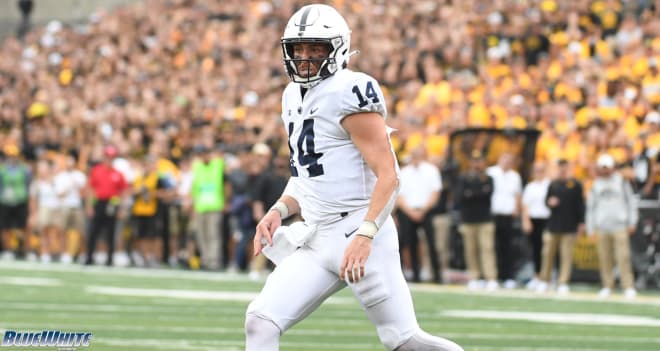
[[612, 215], [69, 183], [473, 197], [565, 198], [43, 211]]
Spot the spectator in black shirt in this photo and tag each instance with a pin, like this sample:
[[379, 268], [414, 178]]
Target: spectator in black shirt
[[565, 199], [269, 185], [473, 197]]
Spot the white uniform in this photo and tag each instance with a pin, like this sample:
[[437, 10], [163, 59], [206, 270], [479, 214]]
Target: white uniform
[[329, 171], [331, 177]]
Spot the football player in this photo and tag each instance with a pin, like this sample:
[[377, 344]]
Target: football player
[[344, 183]]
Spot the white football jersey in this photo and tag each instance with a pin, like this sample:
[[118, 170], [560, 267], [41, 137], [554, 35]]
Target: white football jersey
[[329, 174]]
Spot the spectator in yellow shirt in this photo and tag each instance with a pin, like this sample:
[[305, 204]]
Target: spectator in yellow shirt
[[148, 186], [651, 83]]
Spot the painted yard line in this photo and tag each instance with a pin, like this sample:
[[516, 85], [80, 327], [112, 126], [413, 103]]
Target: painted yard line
[[562, 318], [164, 309], [166, 319], [331, 317], [242, 296], [126, 271], [129, 309], [325, 332], [162, 344], [339, 316], [196, 319], [27, 281], [641, 299], [437, 322], [171, 293], [160, 307]]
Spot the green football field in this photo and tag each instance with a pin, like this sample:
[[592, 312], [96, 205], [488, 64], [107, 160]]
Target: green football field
[[135, 309]]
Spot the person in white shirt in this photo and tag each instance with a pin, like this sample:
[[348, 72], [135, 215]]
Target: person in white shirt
[[612, 215], [420, 189], [44, 203], [535, 214], [69, 183], [505, 206]]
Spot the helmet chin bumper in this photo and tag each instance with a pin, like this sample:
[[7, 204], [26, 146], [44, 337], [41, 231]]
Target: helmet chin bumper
[[302, 77]]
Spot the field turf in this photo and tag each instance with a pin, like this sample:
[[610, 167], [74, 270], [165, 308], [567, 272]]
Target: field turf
[[136, 309]]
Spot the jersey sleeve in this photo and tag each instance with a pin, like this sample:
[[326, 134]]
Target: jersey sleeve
[[361, 93]]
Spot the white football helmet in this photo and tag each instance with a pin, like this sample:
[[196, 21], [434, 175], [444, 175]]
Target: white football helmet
[[317, 24]]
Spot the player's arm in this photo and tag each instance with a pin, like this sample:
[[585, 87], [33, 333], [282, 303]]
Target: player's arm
[[369, 134], [285, 207]]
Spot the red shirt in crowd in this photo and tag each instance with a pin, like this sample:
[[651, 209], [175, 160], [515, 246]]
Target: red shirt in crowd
[[106, 182]]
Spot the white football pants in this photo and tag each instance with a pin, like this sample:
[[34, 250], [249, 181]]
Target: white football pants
[[311, 274]]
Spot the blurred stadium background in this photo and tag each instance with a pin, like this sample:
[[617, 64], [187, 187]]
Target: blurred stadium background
[[164, 81]]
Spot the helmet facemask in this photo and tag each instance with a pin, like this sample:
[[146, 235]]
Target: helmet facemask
[[327, 66]]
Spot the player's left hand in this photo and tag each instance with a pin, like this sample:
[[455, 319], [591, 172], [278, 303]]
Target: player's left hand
[[355, 258]]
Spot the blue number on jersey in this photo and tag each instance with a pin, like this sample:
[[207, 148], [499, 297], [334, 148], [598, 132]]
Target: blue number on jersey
[[309, 157], [370, 93]]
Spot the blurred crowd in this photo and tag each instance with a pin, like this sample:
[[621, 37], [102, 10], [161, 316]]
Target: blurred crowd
[[165, 82]]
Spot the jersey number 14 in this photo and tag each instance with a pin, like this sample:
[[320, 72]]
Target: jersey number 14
[[307, 157], [370, 92]]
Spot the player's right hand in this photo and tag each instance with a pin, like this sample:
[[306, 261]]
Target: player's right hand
[[265, 230]]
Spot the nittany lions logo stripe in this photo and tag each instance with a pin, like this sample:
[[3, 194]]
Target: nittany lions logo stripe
[[303, 20]]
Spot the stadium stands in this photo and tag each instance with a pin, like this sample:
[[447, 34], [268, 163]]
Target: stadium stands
[[160, 77]]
